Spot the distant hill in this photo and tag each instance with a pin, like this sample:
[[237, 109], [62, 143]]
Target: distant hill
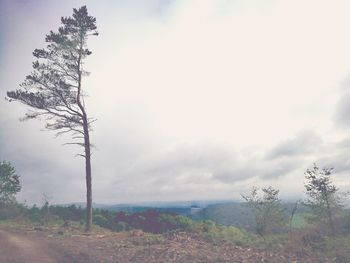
[[234, 214], [225, 212], [173, 204]]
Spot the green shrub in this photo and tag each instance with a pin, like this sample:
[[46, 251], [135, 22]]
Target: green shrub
[[11, 211], [34, 214], [100, 220], [153, 239], [220, 233], [178, 222], [121, 226]]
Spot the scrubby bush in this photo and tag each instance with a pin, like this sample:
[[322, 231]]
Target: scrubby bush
[[219, 233], [169, 222], [267, 210], [121, 226], [71, 213], [34, 214], [100, 220], [11, 211]]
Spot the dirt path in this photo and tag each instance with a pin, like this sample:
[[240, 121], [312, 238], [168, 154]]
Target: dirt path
[[17, 248]]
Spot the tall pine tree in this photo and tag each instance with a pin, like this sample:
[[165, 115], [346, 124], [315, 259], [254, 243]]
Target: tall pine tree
[[54, 89]]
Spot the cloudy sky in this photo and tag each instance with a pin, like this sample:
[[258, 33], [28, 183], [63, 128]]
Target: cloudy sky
[[194, 99]]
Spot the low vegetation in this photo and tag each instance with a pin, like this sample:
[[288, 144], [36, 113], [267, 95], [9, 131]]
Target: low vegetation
[[318, 227], [267, 210]]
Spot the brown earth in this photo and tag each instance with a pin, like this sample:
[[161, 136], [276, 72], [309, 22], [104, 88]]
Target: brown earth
[[18, 248], [58, 246]]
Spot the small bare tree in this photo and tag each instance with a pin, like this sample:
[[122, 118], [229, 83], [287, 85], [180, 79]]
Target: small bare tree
[[54, 89], [292, 214], [267, 209]]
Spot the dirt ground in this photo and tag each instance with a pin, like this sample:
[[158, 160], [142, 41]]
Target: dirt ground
[[17, 248], [57, 246]]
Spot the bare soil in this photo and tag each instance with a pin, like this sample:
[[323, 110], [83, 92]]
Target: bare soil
[[17, 248], [58, 246]]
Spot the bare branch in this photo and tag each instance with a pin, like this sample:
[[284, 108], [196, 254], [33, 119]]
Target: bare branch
[[74, 143]]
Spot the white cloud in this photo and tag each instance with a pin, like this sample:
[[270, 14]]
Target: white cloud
[[244, 76]]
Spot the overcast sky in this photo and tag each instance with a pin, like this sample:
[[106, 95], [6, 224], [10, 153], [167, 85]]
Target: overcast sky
[[194, 99]]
